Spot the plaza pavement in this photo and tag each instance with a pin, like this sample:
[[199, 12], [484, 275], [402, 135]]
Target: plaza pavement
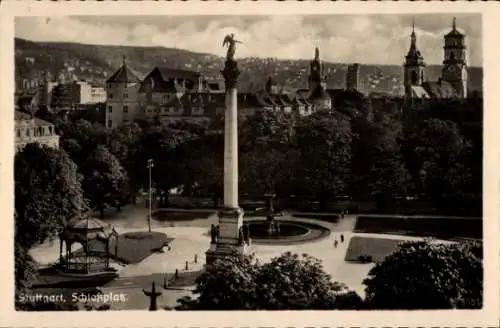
[[191, 237]]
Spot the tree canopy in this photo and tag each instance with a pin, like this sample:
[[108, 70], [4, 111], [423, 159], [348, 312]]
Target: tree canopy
[[288, 282], [427, 275], [47, 194]]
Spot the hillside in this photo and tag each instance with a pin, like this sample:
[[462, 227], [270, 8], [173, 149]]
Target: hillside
[[96, 63]]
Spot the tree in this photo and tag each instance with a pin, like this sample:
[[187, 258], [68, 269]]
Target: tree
[[427, 275], [125, 143], [84, 136], [288, 282], [25, 268], [435, 146], [324, 142], [293, 282], [105, 181], [201, 165], [159, 142], [386, 176], [266, 152], [228, 284], [47, 194]]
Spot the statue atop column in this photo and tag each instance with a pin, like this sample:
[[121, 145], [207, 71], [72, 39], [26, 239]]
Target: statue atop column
[[230, 41], [230, 71]]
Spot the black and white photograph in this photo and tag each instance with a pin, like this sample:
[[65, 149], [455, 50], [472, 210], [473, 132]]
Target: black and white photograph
[[327, 161]]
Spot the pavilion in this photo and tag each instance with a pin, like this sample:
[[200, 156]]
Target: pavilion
[[95, 236]]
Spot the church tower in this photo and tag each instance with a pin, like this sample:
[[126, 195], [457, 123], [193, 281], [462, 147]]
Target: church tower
[[455, 61], [316, 77], [414, 66]]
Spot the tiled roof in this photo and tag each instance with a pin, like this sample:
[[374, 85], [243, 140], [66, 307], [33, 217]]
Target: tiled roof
[[167, 73], [124, 75], [319, 93], [419, 92], [155, 84], [439, 89], [455, 33], [20, 117]]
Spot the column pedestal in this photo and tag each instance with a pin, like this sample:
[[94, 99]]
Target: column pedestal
[[229, 242]]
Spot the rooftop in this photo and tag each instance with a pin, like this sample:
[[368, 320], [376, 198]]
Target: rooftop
[[21, 117], [124, 75]]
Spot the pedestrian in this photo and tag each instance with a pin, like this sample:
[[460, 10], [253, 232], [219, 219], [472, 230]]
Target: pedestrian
[[341, 238], [336, 243]]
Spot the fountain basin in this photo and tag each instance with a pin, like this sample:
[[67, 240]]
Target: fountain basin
[[291, 231]]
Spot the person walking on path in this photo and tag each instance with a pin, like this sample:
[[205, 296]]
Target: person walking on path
[[341, 238], [336, 243]]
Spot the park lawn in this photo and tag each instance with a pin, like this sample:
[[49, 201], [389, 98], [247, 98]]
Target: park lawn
[[442, 228], [377, 248], [133, 247]]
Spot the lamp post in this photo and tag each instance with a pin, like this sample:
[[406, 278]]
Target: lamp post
[[150, 166]]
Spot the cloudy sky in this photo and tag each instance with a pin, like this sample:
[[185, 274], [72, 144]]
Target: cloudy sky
[[378, 39]]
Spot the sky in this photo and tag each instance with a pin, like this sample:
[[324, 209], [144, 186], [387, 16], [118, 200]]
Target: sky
[[369, 39]]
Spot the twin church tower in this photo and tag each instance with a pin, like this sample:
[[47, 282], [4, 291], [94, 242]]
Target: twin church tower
[[453, 81]]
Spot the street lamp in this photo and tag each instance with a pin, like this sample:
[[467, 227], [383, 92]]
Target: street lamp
[[150, 166]]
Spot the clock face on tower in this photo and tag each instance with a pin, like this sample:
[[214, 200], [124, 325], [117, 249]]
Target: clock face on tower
[[453, 71]]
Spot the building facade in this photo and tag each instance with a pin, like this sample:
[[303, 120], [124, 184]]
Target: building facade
[[122, 97], [453, 81], [352, 77], [455, 61], [30, 129]]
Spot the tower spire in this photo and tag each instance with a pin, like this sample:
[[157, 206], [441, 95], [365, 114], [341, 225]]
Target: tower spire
[[454, 23], [413, 35], [316, 54]]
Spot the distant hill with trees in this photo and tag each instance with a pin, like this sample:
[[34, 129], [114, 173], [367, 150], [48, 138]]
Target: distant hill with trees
[[95, 63]]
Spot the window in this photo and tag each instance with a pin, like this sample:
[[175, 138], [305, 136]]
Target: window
[[110, 123], [50, 130], [110, 109], [109, 85], [110, 96], [27, 132], [18, 133], [125, 108], [125, 121]]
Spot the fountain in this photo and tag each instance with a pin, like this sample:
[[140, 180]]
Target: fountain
[[277, 227]]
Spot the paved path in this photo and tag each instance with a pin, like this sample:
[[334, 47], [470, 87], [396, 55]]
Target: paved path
[[191, 237]]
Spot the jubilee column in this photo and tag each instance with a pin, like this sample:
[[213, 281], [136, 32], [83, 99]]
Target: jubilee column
[[229, 237]]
